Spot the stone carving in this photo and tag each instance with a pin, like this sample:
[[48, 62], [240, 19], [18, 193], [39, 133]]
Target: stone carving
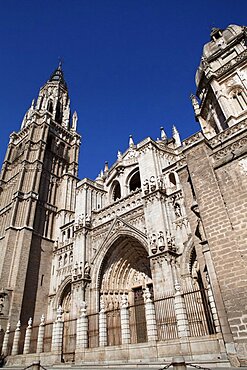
[[87, 270], [150, 185], [177, 210], [153, 243], [124, 301], [199, 232], [59, 313], [3, 302], [161, 241]]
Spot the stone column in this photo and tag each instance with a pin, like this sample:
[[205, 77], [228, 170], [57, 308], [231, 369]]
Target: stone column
[[180, 312], [16, 339], [27, 337], [57, 332], [213, 307], [41, 334], [102, 325], [125, 325], [150, 317], [82, 328], [6, 341]]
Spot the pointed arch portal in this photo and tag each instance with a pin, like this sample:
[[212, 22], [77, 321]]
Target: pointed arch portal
[[125, 270]]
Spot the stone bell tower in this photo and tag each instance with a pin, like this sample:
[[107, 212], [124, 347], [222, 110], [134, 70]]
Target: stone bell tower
[[37, 195], [221, 81]]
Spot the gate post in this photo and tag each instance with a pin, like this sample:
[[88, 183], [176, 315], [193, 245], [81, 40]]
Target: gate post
[[180, 312], [102, 325], [125, 325], [16, 339], [150, 316], [41, 333], [57, 333], [82, 328], [27, 337], [5, 341]]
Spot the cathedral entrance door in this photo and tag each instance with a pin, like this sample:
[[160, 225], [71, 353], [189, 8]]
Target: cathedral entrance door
[[125, 272], [140, 327]]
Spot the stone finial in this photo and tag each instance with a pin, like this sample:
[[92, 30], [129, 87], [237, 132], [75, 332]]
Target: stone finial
[[74, 121], [42, 320], [119, 155], [131, 141], [163, 135], [102, 305], [194, 102], [176, 136], [18, 325], [147, 295], [106, 169], [124, 301], [29, 323], [83, 309], [59, 313], [8, 328]]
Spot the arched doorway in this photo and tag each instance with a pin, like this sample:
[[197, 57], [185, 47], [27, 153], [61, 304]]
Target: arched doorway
[[125, 270], [69, 330]]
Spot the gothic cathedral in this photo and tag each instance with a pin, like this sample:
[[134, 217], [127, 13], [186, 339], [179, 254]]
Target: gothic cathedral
[[149, 260]]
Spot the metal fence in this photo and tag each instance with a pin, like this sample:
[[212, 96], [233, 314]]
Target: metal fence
[[113, 325], [93, 330], [69, 340], [198, 313], [165, 318], [138, 326]]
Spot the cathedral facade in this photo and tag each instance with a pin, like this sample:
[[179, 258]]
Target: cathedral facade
[[147, 261]]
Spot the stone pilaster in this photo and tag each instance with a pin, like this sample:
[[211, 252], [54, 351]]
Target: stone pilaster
[[57, 332], [124, 314], [102, 325], [82, 328], [180, 311], [27, 341], [41, 333], [16, 339], [6, 341], [150, 317]]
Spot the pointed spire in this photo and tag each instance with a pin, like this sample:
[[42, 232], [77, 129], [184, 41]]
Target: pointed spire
[[131, 141], [163, 135], [176, 136], [57, 75]]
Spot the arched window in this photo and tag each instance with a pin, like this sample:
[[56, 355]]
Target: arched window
[[59, 113], [116, 194], [50, 106], [135, 182], [172, 179], [239, 97]]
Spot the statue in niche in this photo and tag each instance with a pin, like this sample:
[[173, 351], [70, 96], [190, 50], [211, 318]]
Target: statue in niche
[[87, 220], [146, 186], [153, 243], [177, 210], [160, 182], [87, 270], [161, 241], [152, 183]]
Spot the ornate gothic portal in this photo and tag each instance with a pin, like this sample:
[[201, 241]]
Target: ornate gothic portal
[[125, 273]]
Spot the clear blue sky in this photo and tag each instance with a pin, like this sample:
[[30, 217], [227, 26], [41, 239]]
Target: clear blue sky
[[129, 65]]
